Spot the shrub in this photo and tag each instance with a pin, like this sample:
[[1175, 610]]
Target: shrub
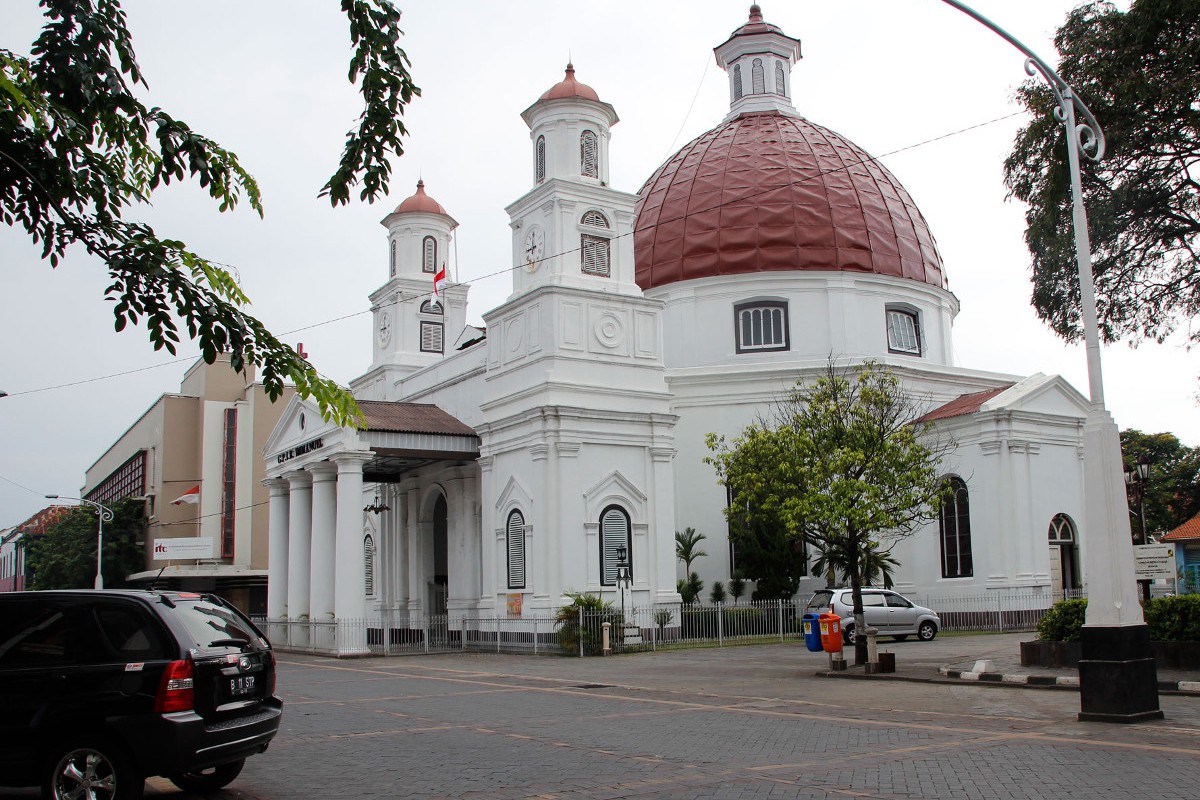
[[1062, 621], [1174, 619], [717, 595], [595, 613], [743, 621], [690, 588]]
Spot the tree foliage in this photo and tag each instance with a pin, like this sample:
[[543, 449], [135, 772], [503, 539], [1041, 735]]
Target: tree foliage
[[1139, 72], [79, 151], [687, 547], [840, 465], [64, 557], [1172, 493]]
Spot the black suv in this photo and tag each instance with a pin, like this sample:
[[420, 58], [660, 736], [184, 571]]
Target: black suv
[[101, 689]]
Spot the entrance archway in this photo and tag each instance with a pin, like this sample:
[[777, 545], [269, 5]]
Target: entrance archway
[[1064, 556]]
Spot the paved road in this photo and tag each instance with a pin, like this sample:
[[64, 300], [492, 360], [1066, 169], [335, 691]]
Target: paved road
[[748, 722]]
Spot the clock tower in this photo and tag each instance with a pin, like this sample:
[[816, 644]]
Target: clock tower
[[412, 327]]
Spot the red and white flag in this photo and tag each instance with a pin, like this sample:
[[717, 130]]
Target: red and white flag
[[191, 497], [438, 280]]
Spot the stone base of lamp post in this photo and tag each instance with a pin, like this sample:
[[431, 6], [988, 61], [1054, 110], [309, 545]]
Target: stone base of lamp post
[[1118, 681]]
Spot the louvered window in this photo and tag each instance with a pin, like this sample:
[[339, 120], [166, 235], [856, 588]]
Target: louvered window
[[737, 81], [393, 257], [539, 159], [369, 565], [757, 78], [430, 307], [614, 532], [516, 550], [780, 84], [431, 337], [595, 255], [761, 326], [229, 483], [954, 525], [589, 155], [903, 332], [429, 260], [594, 218]]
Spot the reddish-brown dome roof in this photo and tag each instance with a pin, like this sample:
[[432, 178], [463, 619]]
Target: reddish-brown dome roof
[[421, 202], [767, 192], [569, 87]]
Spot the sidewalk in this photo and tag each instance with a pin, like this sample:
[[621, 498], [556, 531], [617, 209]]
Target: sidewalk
[[1001, 665]]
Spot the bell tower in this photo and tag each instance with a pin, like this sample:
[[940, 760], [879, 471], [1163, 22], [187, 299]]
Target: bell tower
[[758, 58]]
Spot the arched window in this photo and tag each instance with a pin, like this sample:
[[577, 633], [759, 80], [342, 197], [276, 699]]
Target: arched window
[[369, 565], [737, 81], [758, 81], [515, 534], [429, 256], [393, 258], [595, 219], [761, 326], [954, 523], [589, 155], [903, 331], [615, 531], [780, 79], [430, 307], [539, 159]]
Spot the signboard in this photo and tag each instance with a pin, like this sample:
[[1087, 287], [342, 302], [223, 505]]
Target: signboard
[[1151, 561], [514, 604], [183, 549]]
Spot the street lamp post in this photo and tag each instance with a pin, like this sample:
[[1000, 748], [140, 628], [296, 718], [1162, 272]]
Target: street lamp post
[[623, 577], [1136, 480], [104, 514], [1117, 677]]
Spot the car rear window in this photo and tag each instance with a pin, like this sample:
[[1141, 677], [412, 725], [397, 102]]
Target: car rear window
[[211, 625], [819, 600]]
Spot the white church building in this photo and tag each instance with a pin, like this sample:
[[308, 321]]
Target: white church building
[[503, 467]]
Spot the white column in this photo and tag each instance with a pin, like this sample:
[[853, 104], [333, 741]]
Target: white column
[[324, 519], [349, 604], [277, 549], [299, 543]]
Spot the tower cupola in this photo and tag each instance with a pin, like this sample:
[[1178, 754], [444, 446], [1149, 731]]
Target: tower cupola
[[758, 58]]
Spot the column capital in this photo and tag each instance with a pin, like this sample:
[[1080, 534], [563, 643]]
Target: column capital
[[298, 479], [322, 471], [276, 486], [352, 461]]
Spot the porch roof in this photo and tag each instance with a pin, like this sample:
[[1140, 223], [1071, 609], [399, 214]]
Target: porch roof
[[408, 436]]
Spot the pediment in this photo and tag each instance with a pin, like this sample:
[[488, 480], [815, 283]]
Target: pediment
[[1040, 394], [302, 436]]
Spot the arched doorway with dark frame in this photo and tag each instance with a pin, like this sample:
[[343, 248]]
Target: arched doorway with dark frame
[[1064, 557]]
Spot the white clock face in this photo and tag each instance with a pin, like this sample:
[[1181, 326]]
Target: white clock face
[[385, 328], [535, 248]]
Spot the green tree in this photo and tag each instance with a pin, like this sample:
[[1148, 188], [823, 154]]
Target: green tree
[[767, 555], [687, 550], [717, 595], [64, 557], [79, 150], [689, 588], [1172, 492], [737, 587], [1139, 72], [840, 464], [875, 564]]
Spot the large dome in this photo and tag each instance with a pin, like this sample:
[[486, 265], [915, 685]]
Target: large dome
[[769, 192]]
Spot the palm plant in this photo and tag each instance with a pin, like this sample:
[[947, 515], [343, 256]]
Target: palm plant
[[686, 547]]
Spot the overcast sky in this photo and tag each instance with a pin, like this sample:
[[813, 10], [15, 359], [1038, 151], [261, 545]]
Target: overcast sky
[[901, 78]]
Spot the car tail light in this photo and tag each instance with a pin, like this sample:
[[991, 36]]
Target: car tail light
[[176, 690], [271, 676]]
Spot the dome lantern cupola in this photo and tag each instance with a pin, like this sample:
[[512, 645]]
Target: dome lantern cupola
[[419, 235], [758, 58], [569, 128]]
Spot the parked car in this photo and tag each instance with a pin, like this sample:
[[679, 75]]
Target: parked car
[[101, 689], [890, 613]]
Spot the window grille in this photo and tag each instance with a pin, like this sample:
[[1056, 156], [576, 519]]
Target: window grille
[[1061, 529], [595, 255], [780, 79], [369, 565], [430, 307], [127, 480], [539, 158], [589, 165], [903, 332], [516, 550], [429, 262], [431, 337], [762, 326], [954, 523], [594, 218], [229, 483], [393, 258], [737, 81], [614, 532], [758, 80]]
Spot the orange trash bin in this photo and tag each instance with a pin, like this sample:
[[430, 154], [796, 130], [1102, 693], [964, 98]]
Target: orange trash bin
[[831, 633]]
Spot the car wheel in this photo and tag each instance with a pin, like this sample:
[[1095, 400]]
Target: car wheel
[[92, 770], [848, 634], [211, 779], [900, 637], [927, 631]]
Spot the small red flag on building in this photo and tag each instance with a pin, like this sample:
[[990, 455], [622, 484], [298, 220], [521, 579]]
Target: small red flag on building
[[191, 497], [438, 280]]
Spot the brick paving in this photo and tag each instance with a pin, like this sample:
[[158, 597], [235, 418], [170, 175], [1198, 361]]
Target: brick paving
[[730, 724]]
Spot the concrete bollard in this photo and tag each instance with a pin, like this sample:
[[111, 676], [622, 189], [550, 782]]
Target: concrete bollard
[[604, 629], [872, 650]]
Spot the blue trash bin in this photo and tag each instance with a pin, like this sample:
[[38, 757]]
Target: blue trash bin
[[809, 623]]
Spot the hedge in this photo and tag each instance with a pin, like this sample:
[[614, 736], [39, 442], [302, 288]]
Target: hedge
[[1171, 619]]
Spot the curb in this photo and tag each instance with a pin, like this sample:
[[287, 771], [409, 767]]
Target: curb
[[1064, 681]]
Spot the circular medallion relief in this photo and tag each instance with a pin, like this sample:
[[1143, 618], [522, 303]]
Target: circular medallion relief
[[609, 330]]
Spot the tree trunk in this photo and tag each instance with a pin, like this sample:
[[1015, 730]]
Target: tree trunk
[[860, 627]]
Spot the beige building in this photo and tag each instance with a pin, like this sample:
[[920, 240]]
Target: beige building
[[197, 458]]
